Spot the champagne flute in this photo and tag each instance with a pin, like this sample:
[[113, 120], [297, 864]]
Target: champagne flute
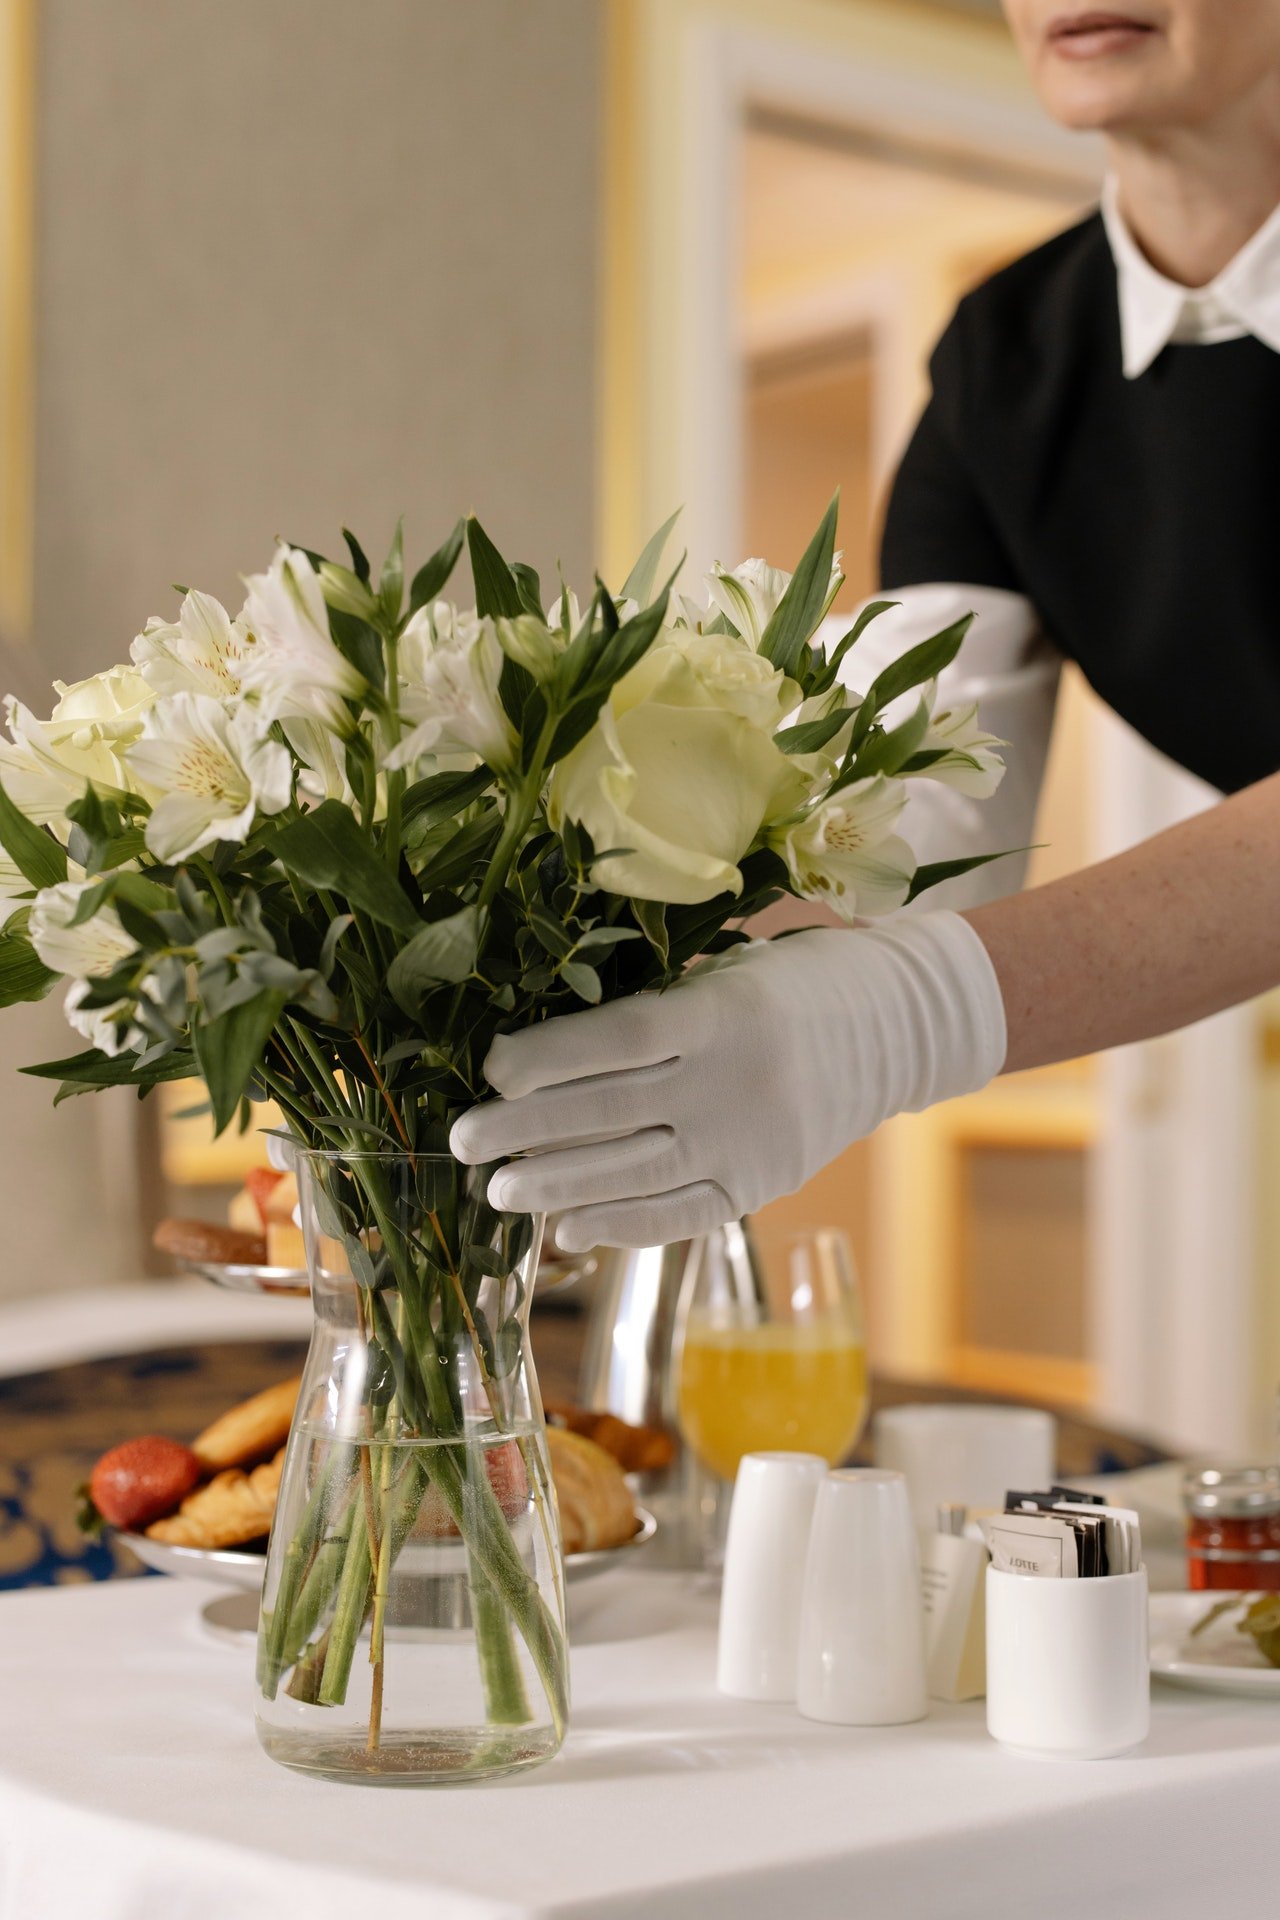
[[772, 1352]]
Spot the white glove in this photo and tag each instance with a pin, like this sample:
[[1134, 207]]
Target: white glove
[[663, 1115]]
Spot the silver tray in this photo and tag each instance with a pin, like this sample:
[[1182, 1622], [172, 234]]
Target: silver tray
[[556, 1273], [290, 1281], [242, 1567]]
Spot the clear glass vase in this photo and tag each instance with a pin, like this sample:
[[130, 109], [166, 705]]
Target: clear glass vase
[[412, 1625]]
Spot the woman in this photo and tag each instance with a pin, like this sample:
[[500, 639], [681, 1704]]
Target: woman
[[1094, 474]]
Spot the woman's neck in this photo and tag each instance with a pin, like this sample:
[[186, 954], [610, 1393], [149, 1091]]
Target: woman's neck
[[1191, 197]]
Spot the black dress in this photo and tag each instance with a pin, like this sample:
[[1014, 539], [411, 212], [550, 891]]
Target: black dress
[[1140, 517]]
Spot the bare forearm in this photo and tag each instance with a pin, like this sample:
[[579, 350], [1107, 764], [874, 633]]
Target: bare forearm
[[1173, 930]]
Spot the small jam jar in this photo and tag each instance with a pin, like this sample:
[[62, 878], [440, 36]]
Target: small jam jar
[[1233, 1529]]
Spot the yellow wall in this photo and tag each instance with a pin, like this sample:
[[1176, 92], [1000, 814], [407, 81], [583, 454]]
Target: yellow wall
[[16, 91]]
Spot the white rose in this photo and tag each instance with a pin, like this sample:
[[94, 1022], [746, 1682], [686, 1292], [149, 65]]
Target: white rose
[[203, 651], [737, 677], [51, 762], [207, 771], [844, 849], [450, 667], [293, 668], [680, 778]]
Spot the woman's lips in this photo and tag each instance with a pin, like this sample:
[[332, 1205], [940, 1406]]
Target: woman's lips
[[1093, 36]]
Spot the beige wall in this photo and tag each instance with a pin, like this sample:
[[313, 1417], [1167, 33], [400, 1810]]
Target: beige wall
[[298, 261]]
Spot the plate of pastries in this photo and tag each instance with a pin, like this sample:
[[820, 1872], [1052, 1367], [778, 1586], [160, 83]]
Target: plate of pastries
[[260, 1249], [203, 1511]]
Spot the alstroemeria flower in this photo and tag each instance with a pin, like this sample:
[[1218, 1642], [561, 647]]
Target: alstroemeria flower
[[203, 651], [207, 772], [748, 596], [293, 667], [844, 849], [86, 951], [450, 667], [968, 761]]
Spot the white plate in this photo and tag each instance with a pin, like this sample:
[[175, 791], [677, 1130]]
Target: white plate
[[246, 1279], [241, 1567], [1219, 1660]]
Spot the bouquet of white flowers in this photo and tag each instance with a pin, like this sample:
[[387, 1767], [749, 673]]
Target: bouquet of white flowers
[[323, 851]]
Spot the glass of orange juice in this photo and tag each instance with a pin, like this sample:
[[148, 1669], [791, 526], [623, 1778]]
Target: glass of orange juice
[[772, 1352]]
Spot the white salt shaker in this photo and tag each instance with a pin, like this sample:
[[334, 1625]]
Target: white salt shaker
[[862, 1657], [764, 1561]]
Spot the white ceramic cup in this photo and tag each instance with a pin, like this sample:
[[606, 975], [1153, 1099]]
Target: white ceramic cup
[[764, 1560], [971, 1455], [862, 1661], [1067, 1669]]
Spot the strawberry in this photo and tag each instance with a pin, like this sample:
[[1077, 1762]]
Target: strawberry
[[262, 1182], [137, 1481]]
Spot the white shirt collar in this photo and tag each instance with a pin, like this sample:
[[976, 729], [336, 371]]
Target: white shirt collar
[[1243, 299]]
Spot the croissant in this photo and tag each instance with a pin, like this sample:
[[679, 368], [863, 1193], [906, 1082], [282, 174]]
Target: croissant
[[232, 1509], [596, 1508]]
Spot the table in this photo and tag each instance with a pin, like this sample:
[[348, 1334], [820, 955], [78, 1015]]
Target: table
[[132, 1788]]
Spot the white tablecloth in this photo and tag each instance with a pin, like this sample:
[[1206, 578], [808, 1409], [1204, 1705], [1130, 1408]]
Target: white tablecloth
[[132, 1788], [54, 1330]]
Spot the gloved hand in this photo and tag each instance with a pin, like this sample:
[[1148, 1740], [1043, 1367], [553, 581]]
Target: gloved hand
[[662, 1115]]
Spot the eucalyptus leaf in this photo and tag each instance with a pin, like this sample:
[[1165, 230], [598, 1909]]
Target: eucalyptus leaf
[[442, 950], [584, 980]]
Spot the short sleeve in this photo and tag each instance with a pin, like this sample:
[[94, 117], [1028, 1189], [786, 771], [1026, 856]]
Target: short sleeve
[[936, 524]]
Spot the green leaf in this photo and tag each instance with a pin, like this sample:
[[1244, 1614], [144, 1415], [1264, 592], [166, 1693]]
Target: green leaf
[[359, 558], [94, 1069], [36, 854], [604, 667], [462, 852], [442, 796], [391, 585], [939, 870], [551, 934], [23, 975], [910, 669], [806, 599], [443, 951], [888, 752], [812, 734], [828, 674], [584, 980], [652, 918], [329, 848], [638, 585], [230, 1049], [529, 587], [606, 937], [497, 593], [432, 577]]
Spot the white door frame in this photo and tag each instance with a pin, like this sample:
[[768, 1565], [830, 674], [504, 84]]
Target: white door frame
[[1172, 1310]]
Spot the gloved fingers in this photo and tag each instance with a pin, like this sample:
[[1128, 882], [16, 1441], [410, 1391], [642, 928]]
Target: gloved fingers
[[651, 1222], [636, 1031], [632, 1167], [608, 1106]]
